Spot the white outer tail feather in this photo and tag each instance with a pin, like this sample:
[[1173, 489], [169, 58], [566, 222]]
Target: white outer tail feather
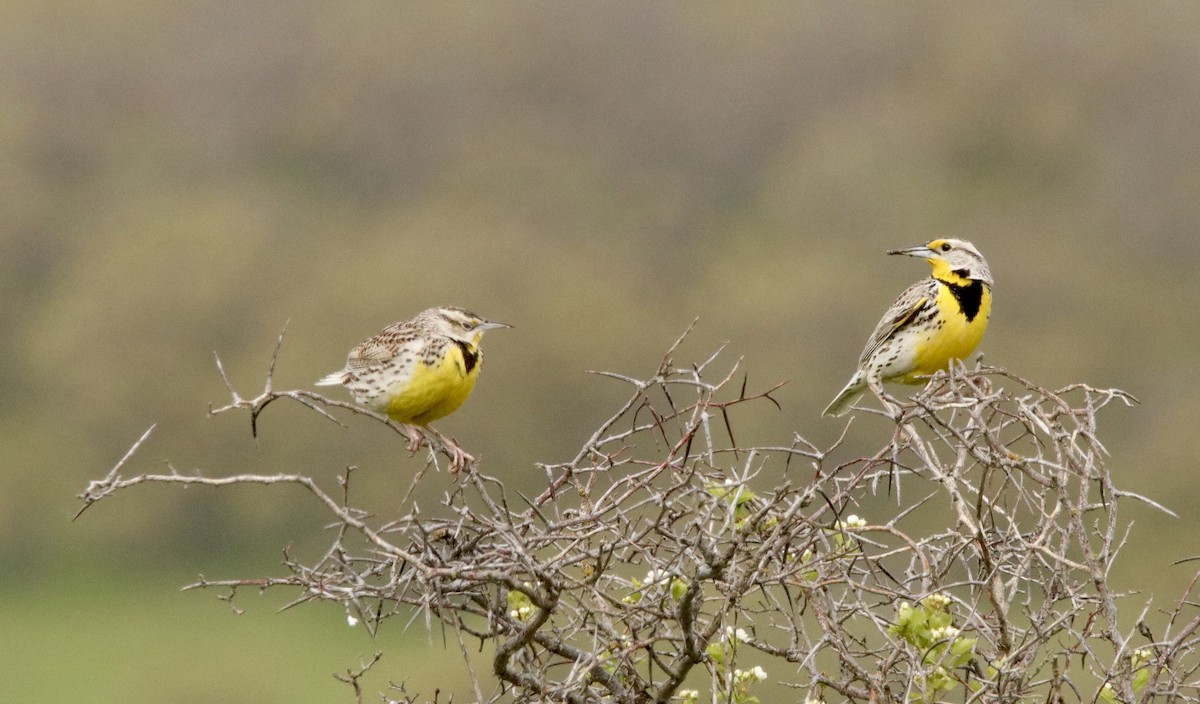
[[334, 379], [846, 397]]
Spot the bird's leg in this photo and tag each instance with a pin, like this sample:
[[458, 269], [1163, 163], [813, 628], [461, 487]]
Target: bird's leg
[[415, 438], [459, 458]]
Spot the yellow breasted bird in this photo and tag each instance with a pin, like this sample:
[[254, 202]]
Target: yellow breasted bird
[[418, 371], [934, 321]]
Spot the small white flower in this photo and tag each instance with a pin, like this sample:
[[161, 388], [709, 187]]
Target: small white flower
[[688, 696], [514, 614], [733, 634], [945, 632], [853, 521], [351, 620], [759, 673], [939, 600]]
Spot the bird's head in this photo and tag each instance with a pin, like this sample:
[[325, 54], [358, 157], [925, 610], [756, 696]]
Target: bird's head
[[956, 261], [458, 324]]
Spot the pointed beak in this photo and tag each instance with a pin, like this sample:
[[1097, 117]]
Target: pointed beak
[[922, 251], [491, 325]]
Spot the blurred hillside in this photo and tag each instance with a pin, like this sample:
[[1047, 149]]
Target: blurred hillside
[[183, 178]]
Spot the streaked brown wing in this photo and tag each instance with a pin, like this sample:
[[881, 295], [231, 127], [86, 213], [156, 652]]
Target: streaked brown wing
[[383, 347], [906, 307]]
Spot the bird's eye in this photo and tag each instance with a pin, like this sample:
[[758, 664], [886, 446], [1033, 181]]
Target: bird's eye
[[466, 324], [945, 247]]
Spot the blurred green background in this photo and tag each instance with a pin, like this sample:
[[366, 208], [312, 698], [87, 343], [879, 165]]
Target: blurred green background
[[179, 178]]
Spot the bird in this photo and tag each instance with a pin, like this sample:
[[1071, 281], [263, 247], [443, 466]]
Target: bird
[[418, 371], [934, 321]]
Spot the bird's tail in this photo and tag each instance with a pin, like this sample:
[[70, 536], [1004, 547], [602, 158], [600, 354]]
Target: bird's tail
[[846, 397], [335, 379]]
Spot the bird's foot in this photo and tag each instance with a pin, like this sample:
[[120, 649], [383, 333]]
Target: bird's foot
[[415, 438], [459, 458]]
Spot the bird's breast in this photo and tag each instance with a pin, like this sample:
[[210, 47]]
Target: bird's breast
[[958, 330], [435, 389]]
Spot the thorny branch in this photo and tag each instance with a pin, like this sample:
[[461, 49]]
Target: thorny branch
[[665, 556]]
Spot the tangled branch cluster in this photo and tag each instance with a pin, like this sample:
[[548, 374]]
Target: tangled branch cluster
[[665, 562]]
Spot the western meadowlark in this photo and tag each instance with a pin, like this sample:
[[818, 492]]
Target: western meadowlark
[[418, 371], [933, 321]]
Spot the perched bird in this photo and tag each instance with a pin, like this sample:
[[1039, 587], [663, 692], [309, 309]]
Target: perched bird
[[418, 371], [933, 321]]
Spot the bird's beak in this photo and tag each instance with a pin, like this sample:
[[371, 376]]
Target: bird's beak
[[491, 325], [922, 251]]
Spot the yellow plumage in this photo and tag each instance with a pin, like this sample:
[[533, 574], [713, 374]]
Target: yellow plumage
[[435, 391], [956, 339]]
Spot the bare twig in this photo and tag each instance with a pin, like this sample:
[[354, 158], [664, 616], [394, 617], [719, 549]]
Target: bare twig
[[352, 677], [666, 556]]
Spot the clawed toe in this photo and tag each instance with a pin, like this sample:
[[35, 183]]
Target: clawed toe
[[414, 439], [459, 458]]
